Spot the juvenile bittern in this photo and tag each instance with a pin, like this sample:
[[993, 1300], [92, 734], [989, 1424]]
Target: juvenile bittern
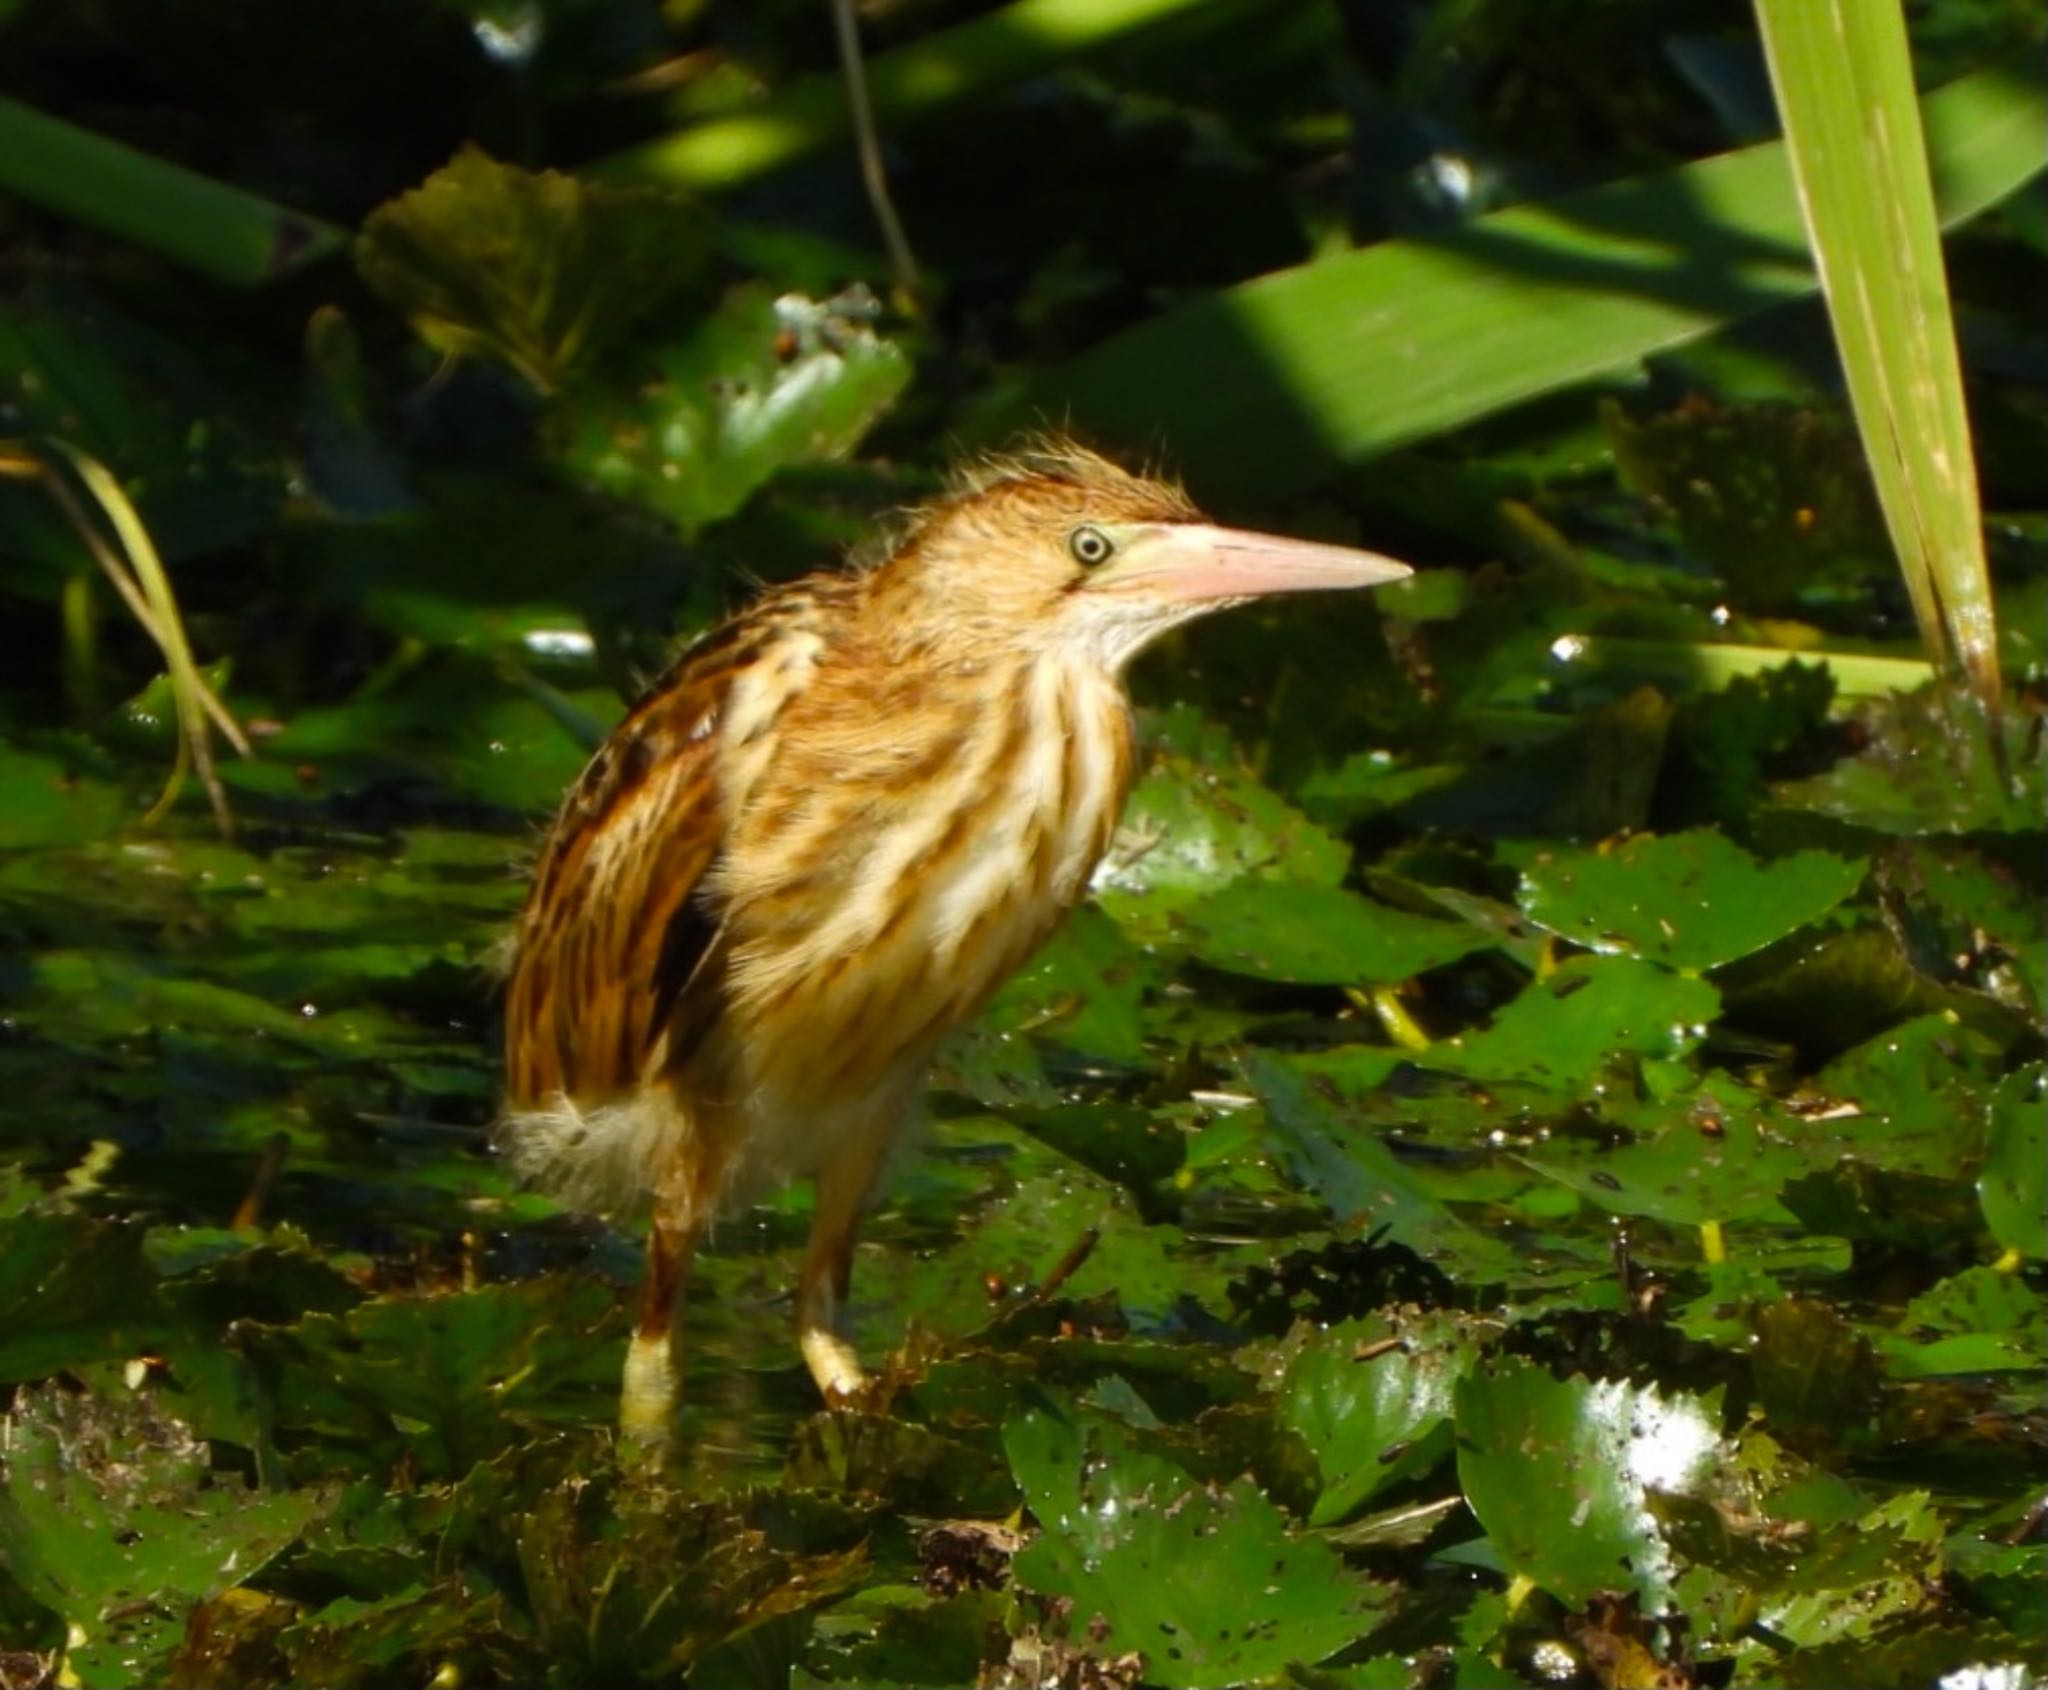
[[821, 842]]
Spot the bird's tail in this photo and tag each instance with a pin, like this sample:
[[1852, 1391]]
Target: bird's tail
[[603, 1160]]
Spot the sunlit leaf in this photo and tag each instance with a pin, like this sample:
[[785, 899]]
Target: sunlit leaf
[[763, 382], [1559, 1471], [111, 1518], [1372, 1399], [1209, 1585]]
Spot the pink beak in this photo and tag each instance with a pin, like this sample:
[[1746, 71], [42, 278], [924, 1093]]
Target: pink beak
[[1191, 562]]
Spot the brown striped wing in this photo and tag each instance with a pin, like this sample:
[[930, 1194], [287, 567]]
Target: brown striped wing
[[616, 945]]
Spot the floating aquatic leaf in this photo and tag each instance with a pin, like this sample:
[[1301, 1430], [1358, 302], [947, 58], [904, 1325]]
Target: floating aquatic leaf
[[1816, 1378], [1372, 1400], [1559, 1472], [634, 1583], [1083, 992], [1562, 1033], [1321, 935], [1688, 900], [1209, 1584], [1347, 1165], [449, 1380], [1718, 1161], [1192, 828], [1976, 1321], [111, 1518], [1984, 921], [55, 801], [73, 1290]]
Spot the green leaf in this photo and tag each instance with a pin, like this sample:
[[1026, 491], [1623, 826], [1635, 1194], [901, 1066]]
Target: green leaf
[[1931, 768], [1193, 827], [1562, 1032], [1816, 1379], [1991, 917], [1559, 1472], [1208, 1584], [631, 1583], [50, 802], [1919, 1090], [1687, 900], [216, 229], [1374, 1414], [1321, 935], [111, 1517], [2013, 1188], [1084, 991], [1976, 1321], [450, 1380], [764, 382], [538, 270], [72, 1291], [1345, 1163], [1688, 1174]]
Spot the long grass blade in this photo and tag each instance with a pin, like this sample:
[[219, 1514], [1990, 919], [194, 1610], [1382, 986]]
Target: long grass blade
[[219, 230], [1844, 80], [150, 584]]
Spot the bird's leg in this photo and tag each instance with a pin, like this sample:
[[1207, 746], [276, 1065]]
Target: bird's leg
[[843, 1186], [647, 1395]]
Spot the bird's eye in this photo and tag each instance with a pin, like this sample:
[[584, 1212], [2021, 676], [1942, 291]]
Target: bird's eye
[[1090, 546]]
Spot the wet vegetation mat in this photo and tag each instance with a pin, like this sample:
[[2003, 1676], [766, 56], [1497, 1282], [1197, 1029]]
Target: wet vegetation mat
[[1531, 1165]]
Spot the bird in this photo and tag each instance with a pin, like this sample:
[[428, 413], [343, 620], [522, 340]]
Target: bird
[[822, 840]]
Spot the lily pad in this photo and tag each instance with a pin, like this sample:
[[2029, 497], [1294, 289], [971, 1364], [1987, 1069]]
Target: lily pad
[[1709, 1165], [1192, 828], [1209, 1584], [1341, 1157], [1372, 1400], [1083, 992], [1559, 1472], [1321, 935], [1688, 900], [111, 1518], [1561, 1033], [72, 1290], [52, 801]]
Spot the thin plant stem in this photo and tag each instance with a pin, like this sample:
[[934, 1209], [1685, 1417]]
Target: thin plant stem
[[867, 144]]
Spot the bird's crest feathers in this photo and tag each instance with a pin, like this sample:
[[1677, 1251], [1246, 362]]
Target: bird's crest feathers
[[1047, 469]]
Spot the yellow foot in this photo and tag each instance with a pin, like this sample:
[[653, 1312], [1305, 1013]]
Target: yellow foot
[[647, 1395], [833, 1364]]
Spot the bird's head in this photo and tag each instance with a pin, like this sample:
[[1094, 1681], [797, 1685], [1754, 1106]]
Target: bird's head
[[1066, 551]]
